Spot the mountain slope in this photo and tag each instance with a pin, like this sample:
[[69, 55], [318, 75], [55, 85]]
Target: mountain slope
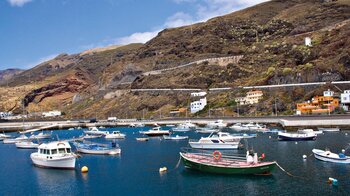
[[269, 38]]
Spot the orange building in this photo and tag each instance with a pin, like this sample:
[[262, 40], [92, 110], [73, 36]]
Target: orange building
[[318, 105]]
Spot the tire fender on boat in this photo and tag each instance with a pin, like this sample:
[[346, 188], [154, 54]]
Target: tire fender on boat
[[217, 155]]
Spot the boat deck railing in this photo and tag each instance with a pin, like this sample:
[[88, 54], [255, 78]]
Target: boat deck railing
[[209, 153]]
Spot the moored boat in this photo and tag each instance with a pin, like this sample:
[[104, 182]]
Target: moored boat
[[176, 137], [218, 124], [181, 128], [155, 131], [296, 136], [87, 136], [41, 135], [218, 164], [220, 140], [4, 136], [239, 127], [115, 135], [142, 139], [55, 154], [98, 149], [329, 129], [94, 131], [328, 156], [207, 130], [27, 145], [18, 139]]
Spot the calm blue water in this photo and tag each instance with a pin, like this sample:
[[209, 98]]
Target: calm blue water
[[135, 171]]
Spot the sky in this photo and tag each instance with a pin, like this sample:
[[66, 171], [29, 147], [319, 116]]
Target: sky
[[33, 31]]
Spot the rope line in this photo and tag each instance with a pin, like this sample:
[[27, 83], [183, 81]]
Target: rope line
[[289, 174]]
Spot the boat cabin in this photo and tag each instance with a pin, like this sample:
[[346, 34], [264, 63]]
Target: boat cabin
[[54, 148]]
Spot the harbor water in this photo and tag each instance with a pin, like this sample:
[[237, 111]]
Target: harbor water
[[136, 170]]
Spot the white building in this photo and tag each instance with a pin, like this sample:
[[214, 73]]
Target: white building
[[52, 113], [345, 100], [328, 93], [308, 41], [252, 97], [197, 106], [199, 94]]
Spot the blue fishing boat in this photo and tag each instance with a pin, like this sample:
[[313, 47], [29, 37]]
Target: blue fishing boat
[[96, 148]]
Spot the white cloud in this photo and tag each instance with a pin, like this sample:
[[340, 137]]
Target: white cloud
[[18, 3], [140, 37], [178, 19], [204, 10], [40, 60]]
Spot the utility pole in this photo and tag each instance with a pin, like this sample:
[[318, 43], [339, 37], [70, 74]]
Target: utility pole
[[238, 109], [276, 113]]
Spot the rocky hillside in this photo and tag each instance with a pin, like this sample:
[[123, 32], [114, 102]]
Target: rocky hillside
[[268, 38], [7, 74]]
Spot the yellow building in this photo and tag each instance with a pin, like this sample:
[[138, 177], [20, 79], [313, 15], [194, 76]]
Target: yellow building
[[252, 97]]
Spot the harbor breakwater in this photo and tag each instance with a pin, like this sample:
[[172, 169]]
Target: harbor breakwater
[[287, 122]]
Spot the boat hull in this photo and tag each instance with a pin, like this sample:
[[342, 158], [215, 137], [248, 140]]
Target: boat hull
[[258, 169], [175, 138], [320, 156], [156, 134], [287, 138], [27, 146], [197, 145], [67, 162], [99, 152]]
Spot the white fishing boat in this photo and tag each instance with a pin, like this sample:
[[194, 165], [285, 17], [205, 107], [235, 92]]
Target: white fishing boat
[[94, 131], [18, 139], [188, 123], [181, 128], [55, 154], [176, 137], [207, 130], [218, 124], [87, 136], [41, 135], [155, 131], [4, 136], [139, 125], [115, 135], [98, 149], [328, 156], [27, 145], [258, 127], [239, 127], [329, 129], [220, 140]]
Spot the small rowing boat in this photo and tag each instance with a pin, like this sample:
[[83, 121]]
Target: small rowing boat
[[329, 156], [98, 149]]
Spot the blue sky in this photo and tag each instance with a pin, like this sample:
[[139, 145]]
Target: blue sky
[[32, 31]]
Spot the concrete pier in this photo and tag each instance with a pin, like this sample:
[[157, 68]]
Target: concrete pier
[[288, 122]]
